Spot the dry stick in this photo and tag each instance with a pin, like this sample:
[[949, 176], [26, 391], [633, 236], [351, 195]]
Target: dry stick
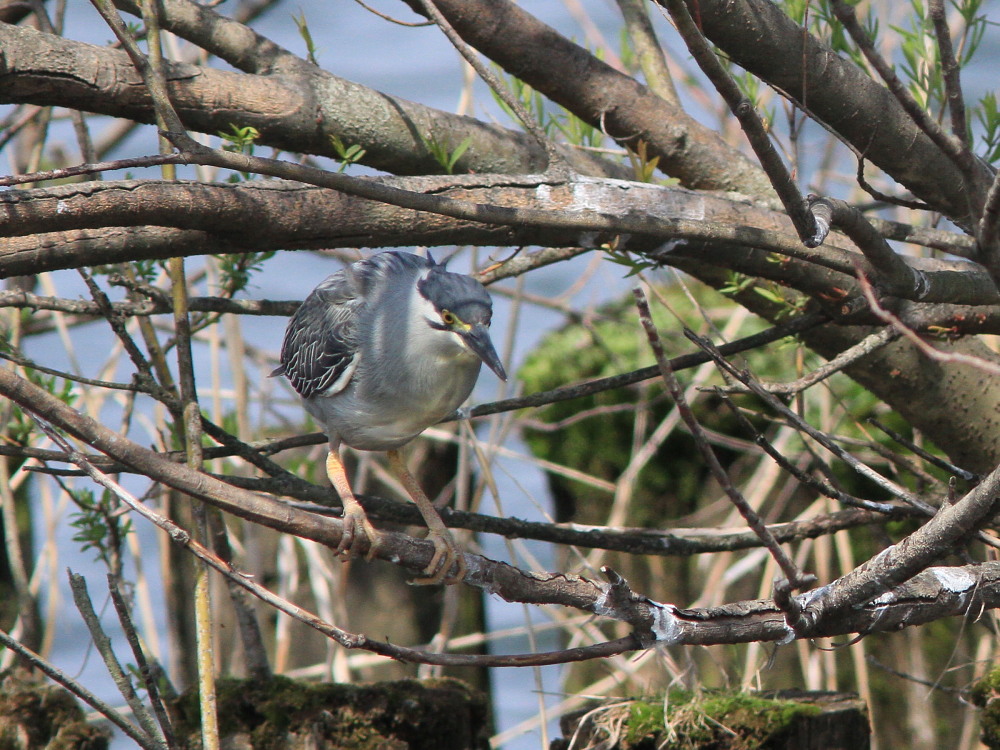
[[882, 314], [343, 637], [820, 485], [556, 162], [895, 275], [791, 572], [144, 374], [800, 424], [951, 72], [148, 678], [154, 306], [648, 50], [31, 364], [948, 143], [810, 231], [849, 356], [925, 455], [105, 709], [82, 169], [82, 600]]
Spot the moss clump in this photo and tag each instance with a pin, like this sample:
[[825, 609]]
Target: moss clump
[[34, 714], [740, 720], [410, 714], [985, 694], [686, 721]]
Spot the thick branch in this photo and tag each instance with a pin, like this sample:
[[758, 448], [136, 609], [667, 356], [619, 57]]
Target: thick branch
[[600, 95], [292, 111], [758, 36], [291, 215]]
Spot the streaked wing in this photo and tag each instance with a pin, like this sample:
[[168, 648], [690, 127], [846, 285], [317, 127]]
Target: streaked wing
[[321, 340]]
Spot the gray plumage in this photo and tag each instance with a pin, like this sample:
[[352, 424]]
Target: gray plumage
[[387, 347]]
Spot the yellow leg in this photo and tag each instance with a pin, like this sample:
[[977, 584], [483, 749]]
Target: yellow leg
[[446, 554], [356, 523]]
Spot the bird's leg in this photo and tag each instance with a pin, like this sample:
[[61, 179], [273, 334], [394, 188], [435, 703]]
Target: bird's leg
[[446, 554], [356, 523]]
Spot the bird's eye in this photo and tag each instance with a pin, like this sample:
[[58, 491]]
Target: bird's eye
[[448, 317]]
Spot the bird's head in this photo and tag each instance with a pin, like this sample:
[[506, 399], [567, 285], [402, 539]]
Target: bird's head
[[461, 305]]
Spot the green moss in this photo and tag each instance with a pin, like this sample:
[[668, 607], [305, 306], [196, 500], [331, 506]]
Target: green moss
[[596, 434], [984, 694], [742, 720], [46, 716], [415, 713]]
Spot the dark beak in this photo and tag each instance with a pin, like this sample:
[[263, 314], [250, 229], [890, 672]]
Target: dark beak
[[478, 339]]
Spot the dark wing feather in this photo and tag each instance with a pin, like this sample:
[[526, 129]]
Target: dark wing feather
[[321, 339]]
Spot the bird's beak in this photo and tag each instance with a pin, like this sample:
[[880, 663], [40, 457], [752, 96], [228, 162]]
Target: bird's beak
[[478, 339]]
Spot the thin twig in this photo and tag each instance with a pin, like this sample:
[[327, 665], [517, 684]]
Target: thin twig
[[924, 454], [809, 230], [788, 567], [148, 678], [82, 169], [821, 486], [792, 327], [849, 356], [936, 354], [81, 598], [800, 424], [56, 674], [950, 71], [556, 162], [343, 637]]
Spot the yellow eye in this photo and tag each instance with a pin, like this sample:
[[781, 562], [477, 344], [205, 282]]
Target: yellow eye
[[448, 317]]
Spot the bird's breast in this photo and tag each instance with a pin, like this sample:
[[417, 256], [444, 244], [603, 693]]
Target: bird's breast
[[393, 408]]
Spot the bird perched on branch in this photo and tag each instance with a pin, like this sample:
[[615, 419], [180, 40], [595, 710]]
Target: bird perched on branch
[[379, 352]]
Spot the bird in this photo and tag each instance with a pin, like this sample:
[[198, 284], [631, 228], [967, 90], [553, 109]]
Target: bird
[[379, 352]]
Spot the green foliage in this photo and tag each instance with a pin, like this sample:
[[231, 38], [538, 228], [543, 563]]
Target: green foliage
[[697, 721], [530, 99], [237, 270], [97, 524], [240, 141], [738, 284], [824, 25], [442, 152], [988, 117], [347, 155], [147, 269], [303, 27], [575, 131], [643, 165], [752, 89], [635, 265]]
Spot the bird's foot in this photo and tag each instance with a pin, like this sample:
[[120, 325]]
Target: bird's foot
[[356, 527], [446, 556]]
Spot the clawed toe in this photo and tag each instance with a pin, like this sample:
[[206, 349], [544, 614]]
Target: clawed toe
[[446, 556], [357, 527]]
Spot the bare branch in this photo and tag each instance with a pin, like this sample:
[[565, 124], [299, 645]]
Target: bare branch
[[794, 576]]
